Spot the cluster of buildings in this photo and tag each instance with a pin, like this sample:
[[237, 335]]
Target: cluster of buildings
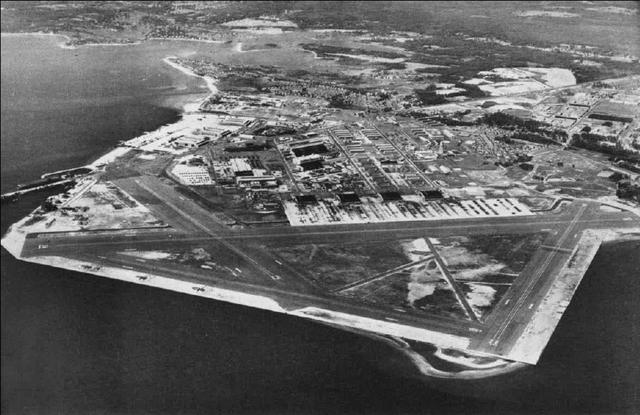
[[244, 172], [386, 166], [606, 115], [192, 171], [316, 165], [192, 132], [350, 169], [350, 209], [188, 141]]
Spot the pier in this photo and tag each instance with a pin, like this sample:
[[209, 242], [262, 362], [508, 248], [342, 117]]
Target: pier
[[13, 196], [47, 181]]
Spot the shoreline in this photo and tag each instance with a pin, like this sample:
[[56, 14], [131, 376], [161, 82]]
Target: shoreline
[[100, 44], [183, 39], [65, 45], [67, 38], [14, 239], [188, 107], [210, 82], [61, 45], [538, 331], [422, 365]]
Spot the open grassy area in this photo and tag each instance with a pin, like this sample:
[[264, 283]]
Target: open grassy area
[[421, 289], [485, 266], [335, 265]]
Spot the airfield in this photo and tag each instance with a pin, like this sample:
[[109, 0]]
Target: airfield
[[245, 265]]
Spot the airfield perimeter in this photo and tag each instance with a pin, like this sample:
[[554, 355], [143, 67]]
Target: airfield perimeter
[[191, 226]]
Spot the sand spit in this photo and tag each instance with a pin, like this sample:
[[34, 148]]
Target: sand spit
[[185, 39], [211, 82], [420, 362], [546, 13], [61, 44], [67, 39], [158, 282], [260, 22]]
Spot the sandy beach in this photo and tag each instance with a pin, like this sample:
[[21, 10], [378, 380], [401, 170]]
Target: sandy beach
[[185, 39], [62, 44], [211, 82], [187, 108]]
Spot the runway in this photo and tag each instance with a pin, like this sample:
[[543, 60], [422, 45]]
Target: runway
[[333, 234], [516, 308]]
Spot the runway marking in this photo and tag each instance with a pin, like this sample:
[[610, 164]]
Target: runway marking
[[556, 248], [531, 283], [214, 237]]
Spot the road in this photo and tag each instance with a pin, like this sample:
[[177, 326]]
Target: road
[[406, 157], [452, 283], [287, 170], [355, 165], [381, 275]]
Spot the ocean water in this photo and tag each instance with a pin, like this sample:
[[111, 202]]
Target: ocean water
[[79, 344], [62, 107]]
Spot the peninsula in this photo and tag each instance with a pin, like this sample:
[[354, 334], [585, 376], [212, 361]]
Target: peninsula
[[445, 203], [375, 226]]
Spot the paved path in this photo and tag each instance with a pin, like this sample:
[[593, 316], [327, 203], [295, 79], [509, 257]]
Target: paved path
[[454, 286], [382, 275]]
